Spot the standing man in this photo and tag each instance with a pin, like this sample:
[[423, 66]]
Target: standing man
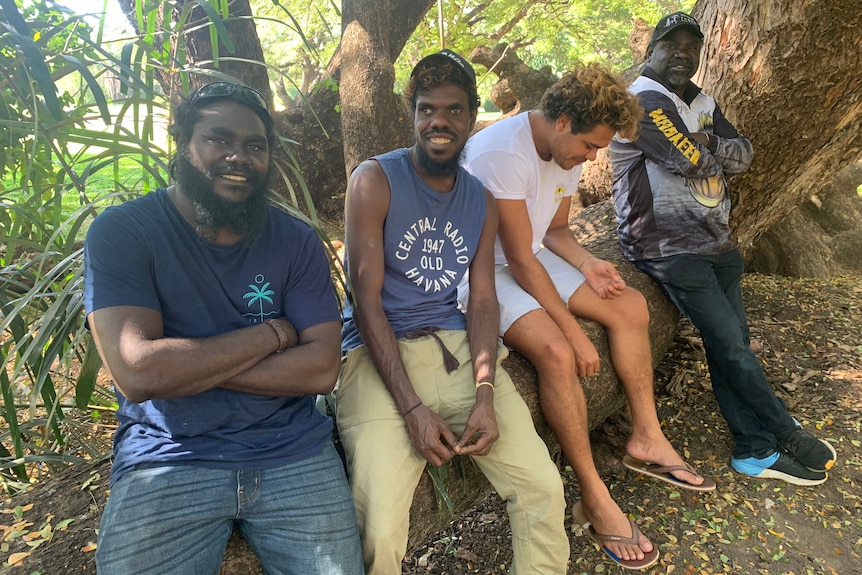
[[531, 163], [216, 317], [672, 206], [420, 382]]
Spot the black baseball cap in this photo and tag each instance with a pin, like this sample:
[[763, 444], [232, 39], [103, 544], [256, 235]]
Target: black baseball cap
[[672, 22], [447, 55]]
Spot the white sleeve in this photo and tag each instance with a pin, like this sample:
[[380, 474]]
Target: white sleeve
[[504, 174]]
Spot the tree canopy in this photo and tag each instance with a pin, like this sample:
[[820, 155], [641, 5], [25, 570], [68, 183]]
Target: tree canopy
[[300, 38]]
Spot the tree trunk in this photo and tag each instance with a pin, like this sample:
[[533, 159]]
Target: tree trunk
[[245, 63], [818, 239], [520, 87], [787, 75], [373, 119]]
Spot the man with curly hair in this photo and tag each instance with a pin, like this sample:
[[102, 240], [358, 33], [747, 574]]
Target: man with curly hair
[[422, 382], [531, 163]]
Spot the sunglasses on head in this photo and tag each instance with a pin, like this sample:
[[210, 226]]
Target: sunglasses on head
[[227, 89]]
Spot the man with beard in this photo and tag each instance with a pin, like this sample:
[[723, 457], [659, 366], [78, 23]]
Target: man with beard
[[420, 382], [672, 206], [216, 317]]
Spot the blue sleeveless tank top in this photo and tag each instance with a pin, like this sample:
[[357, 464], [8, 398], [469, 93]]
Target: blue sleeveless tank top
[[429, 240]]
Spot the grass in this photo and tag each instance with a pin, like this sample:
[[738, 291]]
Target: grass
[[126, 174]]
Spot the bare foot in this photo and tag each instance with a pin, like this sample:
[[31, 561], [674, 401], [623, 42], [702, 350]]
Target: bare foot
[[659, 450], [607, 518]]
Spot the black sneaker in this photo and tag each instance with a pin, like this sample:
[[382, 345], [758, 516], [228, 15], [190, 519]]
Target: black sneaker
[[813, 453], [779, 465]]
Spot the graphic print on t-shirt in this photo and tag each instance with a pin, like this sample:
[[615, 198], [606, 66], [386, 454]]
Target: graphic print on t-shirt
[[434, 254], [259, 294], [559, 192]]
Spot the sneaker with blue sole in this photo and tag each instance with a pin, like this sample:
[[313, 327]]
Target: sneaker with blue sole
[[813, 453], [779, 465]]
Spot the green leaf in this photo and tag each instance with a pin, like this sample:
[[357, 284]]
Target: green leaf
[[88, 375], [438, 479], [36, 65]]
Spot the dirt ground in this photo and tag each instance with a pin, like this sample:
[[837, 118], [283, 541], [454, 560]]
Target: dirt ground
[[812, 353]]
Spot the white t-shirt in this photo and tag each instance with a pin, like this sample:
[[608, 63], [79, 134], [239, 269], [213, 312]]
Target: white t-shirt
[[503, 156]]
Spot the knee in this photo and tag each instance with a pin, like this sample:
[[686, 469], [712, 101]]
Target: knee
[[549, 484], [544, 495], [382, 529], [554, 354], [633, 312]]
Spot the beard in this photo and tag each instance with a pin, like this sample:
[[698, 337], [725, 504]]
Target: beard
[[213, 212], [678, 79], [432, 167]]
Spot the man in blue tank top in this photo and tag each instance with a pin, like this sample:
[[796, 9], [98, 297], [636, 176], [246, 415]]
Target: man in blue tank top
[[216, 317], [421, 382]]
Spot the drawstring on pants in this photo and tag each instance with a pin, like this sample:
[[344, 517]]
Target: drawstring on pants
[[450, 362]]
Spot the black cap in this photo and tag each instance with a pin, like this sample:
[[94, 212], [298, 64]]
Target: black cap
[[673, 22], [448, 56]]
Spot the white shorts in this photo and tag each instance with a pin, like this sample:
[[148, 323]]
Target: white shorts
[[515, 302]]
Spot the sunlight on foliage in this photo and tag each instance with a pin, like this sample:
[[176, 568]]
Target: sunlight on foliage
[[544, 32]]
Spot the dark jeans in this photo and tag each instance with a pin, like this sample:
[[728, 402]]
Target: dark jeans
[[706, 290]]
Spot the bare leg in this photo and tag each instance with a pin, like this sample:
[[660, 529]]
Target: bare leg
[[561, 397], [626, 320]]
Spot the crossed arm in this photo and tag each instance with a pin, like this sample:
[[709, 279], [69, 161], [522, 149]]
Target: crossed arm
[[147, 365], [723, 150]]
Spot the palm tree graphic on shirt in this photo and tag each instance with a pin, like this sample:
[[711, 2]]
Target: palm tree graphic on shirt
[[258, 295]]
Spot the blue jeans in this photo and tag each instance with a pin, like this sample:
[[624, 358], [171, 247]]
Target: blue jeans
[[706, 290], [299, 519]]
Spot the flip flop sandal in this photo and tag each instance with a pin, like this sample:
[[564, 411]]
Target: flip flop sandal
[[600, 538], [663, 473]]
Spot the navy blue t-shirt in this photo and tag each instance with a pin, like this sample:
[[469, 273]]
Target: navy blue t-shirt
[[429, 240], [143, 253]]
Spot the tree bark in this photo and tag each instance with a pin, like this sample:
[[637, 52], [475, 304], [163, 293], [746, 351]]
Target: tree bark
[[787, 75], [520, 87], [245, 63], [820, 238], [373, 119]]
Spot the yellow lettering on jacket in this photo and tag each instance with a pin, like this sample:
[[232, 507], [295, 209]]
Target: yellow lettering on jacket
[[680, 142]]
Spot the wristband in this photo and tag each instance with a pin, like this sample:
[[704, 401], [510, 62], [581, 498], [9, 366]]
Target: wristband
[[279, 331], [411, 409], [586, 259], [481, 383]]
